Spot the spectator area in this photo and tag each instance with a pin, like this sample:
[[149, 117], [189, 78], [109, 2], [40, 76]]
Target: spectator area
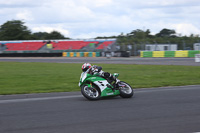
[[104, 44], [58, 45], [24, 46], [64, 45]]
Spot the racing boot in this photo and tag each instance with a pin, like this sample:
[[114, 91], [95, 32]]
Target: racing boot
[[116, 81]]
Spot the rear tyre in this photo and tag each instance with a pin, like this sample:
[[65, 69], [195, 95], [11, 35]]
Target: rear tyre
[[91, 93], [125, 90]]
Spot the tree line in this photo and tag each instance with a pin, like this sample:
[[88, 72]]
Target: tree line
[[165, 36], [16, 30]]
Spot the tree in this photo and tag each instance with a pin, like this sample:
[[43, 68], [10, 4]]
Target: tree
[[137, 34], [140, 34], [166, 33], [148, 33], [55, 35], [14, 30], [40, 35]]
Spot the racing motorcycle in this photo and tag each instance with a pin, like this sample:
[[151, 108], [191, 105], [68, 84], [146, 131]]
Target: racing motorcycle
[[94, 87]]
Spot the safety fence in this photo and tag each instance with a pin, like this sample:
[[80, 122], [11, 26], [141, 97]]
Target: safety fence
[[184, 53], [81, 54]]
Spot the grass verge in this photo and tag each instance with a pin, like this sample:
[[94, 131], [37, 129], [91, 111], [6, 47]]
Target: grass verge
[[21, 78]]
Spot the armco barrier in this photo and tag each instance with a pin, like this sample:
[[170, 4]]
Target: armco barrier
[[146, 54], [181, 54], [184, 53], [81, 54], [158, 54], [192, 53], [169, 53]]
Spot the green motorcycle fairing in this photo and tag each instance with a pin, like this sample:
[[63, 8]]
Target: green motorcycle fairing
[[103, 85]]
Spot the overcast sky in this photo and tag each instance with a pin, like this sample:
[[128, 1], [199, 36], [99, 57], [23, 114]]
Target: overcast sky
[[92, 18]]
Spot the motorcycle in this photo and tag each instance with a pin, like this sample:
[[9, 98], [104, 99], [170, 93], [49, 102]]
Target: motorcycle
[[94, 87]]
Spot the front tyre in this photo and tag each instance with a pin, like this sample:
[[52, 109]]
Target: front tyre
[[91, 93], [125, 90]]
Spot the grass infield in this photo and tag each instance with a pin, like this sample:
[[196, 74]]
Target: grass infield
[[21, 78]]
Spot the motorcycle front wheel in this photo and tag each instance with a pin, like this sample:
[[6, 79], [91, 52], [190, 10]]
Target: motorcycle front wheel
[[125, 90], [91, 93]]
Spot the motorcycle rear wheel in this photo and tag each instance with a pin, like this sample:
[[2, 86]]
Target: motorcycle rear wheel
[[91, 93], [126, 91]]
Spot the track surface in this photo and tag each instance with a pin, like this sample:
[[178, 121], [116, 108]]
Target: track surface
[[155, 110], [113, 60]]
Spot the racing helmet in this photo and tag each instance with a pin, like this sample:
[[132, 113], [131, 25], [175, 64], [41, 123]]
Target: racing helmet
[[86, 66]]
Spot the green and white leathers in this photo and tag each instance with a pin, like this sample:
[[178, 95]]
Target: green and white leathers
[[93, 87]]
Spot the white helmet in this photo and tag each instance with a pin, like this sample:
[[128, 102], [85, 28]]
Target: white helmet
[[86, 66]]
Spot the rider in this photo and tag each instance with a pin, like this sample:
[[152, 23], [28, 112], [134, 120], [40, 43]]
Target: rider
[[98, 69]]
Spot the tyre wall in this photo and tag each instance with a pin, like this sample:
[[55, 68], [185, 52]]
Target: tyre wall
[[81, 54], [184, 53]]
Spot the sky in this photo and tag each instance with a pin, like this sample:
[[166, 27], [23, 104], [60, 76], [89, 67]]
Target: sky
[[81, 19]]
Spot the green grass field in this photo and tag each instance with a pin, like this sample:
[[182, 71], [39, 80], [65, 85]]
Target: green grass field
[[21, 78]]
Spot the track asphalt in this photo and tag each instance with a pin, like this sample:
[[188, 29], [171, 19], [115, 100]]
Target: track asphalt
[[152, 110], [113, 60]]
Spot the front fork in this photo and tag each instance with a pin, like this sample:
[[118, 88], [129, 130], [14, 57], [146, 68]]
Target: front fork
[[90, 86]]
